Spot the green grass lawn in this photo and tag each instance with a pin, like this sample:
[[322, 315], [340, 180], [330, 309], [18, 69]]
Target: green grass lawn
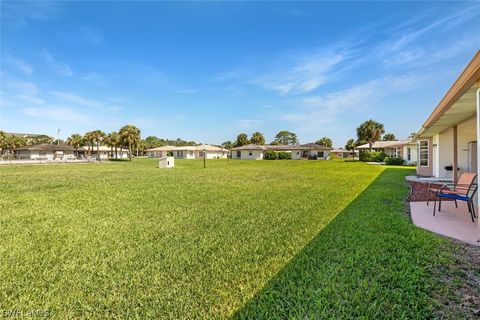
[[243, 239]]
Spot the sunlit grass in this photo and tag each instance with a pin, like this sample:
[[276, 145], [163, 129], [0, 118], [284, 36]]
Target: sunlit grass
[[130, 240]]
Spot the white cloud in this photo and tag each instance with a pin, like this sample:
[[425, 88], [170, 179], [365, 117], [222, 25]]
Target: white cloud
[[61, 68], [24, 87], [75, 99], [324, 109], [305, 75], [19, 64], [30, 99], [57, 113]]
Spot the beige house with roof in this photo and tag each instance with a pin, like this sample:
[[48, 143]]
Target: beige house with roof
[[405, 149], [449, 136], [298, 152], [189, 152]]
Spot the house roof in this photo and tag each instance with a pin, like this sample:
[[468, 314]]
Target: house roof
[[250, 147], [458, 104], [46, 147], [386, 144], [100, 148], [340, 150], [307, 146], [206, 147]]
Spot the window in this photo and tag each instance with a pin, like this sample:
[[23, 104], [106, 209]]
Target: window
[[423, 152], [320, 154], [409, 154], [179, 153], [239, 154], [250, 153]]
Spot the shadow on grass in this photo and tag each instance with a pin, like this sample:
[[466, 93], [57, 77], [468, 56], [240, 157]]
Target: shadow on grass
[[370, 262]]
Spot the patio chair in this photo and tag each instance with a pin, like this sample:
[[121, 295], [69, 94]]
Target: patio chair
[[463, 190]]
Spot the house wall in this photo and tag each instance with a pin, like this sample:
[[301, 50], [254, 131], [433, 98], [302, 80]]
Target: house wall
[[156, 154], [245, 155], [466, 132]]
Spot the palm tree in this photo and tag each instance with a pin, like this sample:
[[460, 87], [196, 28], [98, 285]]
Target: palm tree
[[257, 138], [350, 146], [75, 140], [97, 137], [89, 139], [370, 131], [130, 135], [113, 141]]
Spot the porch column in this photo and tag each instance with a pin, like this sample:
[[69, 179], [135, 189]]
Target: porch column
[[455, 154], [478, 158]]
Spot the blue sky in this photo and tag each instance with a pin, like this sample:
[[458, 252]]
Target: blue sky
[[206, 71]]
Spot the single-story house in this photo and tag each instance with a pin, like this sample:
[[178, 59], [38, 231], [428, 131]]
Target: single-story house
[[45, 151], [448, 138], [189, 152], [343, 153], [303, 151], [159, 152], [448, 147], [405, 149], [105, 152]]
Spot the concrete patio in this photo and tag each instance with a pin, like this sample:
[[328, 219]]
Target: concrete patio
[[451, 222]]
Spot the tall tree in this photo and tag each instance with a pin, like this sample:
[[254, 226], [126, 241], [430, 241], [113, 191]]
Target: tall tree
[[227, 145], [370, 131], [89, 139], [257, 138], [285, 138], [130, 136], [242, 140], [113, 141], [389, 137], [350, 146], [97, 137], [75, 140], [325, 141]]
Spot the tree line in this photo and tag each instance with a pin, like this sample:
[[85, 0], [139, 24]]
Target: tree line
[[283, 137], [128, 137]]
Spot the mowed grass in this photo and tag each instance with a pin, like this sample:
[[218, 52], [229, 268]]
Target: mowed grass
[[248, 239]]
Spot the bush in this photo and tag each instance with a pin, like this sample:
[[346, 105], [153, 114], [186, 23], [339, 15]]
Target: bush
[[393, 161], [372, 156], [284, 155], [277, 155], [270, 155]]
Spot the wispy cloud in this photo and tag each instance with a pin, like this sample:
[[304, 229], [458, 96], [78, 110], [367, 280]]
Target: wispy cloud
[[78, 100], [24, 87], [61, 68], [324, 109], [58, 113], [19, 64], [306, 74]]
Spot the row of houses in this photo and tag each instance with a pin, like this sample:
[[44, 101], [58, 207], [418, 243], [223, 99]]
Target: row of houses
[[189, 152], [301, 151], [64, 151]]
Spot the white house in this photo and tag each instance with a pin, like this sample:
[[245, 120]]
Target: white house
[[303, 151], [343, 153], [405, 149], [189, 152], [104, 151], [448, 138], [45, 151]]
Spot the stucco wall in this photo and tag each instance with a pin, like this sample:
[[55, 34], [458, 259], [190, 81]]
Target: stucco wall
[[466, 132]]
